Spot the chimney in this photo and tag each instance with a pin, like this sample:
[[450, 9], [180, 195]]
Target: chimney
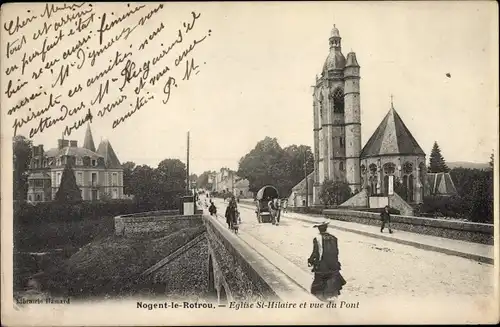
[[60, 144], [73, 144], [40, 149], [65, 143]]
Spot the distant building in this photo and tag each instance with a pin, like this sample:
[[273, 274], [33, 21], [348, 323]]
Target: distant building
[[226, 181], [241, 189], [98, 173], [440, 184], [298, 196]]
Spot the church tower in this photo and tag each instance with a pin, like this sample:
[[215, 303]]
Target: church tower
[[337, 124], [352, 123]]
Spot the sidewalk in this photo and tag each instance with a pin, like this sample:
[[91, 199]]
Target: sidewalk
[[475, 251]]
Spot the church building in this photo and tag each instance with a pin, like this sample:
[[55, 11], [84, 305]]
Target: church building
[[390, 151], [98, 172]]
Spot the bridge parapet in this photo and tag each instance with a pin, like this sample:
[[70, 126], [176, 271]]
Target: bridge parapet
[[238, 273], [154, 223], [459, 230]]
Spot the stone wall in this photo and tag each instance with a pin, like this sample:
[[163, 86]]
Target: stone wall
[[465, 231], [244, 282], [185, 276], [153, 224]]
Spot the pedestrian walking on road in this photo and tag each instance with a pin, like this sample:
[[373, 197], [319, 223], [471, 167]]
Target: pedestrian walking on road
[[386, 219], [273, 210], [285, 205], [325, 264], [277, 204]]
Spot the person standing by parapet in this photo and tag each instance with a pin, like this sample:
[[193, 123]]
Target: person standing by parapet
[[324, 259], [386, 219]]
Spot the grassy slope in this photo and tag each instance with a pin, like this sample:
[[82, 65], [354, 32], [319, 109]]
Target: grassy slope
[[106, 266]]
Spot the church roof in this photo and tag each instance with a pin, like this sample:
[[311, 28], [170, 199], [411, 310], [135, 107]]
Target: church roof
[[88, 142], [391, 137], [335, 32], [300, 188], [351, 60], [334, 61], [441, 184], [110, 159]]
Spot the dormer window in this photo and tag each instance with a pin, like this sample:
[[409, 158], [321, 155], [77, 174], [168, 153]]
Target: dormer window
[[79, 161], [58, 161], [94, 162]]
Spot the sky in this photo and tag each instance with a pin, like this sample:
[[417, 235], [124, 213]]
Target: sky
[[256, 71]]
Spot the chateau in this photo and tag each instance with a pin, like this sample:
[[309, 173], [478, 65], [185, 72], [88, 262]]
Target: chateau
[[391, 150], [98, 173]]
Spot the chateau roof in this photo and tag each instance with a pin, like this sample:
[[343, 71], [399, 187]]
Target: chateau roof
[[88, 142], [391, 137], [71, 151], [441, 183], [300, 188], [110, 159]]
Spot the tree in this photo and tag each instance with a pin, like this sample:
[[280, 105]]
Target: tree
[[128, 168], [334, 192], [475, 189], [143, 182], [437, 163], [261, 166], [68, 189], [172, 175], [268, 163], [203, 179], [293, 163], [492, 160], [22, 152]]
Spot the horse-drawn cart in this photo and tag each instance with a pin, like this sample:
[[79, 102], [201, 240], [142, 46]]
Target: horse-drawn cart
[[264, 195]]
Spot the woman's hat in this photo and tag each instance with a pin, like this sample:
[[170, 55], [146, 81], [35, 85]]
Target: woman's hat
[[325, 223]]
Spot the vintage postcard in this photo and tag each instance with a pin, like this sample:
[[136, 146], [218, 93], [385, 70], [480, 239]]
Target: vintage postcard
[[249, 163]]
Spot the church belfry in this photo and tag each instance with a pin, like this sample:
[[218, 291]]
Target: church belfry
[[337, 120]]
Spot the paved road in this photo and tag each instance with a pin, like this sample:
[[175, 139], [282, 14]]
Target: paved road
[[374, 267]]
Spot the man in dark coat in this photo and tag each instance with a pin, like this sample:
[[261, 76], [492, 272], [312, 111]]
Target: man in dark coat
[[324, 259], [386, 219], [231, 212]]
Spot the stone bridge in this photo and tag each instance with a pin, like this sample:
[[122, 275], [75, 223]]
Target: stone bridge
[[232, 269]]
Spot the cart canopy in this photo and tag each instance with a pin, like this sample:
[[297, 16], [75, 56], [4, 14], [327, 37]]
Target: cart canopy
[[266, 192]]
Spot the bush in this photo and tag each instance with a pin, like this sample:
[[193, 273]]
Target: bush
[[443, 206], [334, 192]]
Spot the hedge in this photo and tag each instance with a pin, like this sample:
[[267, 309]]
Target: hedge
[[52, 211]]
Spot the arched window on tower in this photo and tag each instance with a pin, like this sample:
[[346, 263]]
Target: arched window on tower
[[338, 101], [341, 166]]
